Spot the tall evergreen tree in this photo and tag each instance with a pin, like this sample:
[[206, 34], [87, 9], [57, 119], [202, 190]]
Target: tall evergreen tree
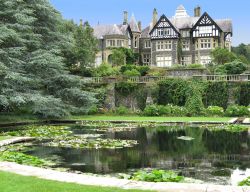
[[32, 61]]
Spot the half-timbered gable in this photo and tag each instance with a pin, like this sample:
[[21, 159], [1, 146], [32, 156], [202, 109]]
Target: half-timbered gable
[[164, 29], [206, 27]]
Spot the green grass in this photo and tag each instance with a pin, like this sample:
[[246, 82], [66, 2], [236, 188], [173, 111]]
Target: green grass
[[4, 137], [14, 118], [15, 183], [140, 118]]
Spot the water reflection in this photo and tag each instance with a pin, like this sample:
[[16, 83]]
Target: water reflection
[[212, 156]]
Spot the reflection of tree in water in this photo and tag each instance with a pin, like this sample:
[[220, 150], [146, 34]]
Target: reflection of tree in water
[[225, 142]]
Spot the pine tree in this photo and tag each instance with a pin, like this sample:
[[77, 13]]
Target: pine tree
[[32, 61]]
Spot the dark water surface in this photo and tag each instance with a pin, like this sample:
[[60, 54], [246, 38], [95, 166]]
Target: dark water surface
[[212, 156]]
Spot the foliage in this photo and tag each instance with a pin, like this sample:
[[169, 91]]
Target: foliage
[[97, 143], [245, 182], [227, 127], [41, 132], [215, 111], [34, 51], [235, 67], [222, 56], [216, 94], [21, 158], [93, 110], [141, 70], [161, 110], [122, 110], [195, 66], [157, 176], [242, 51], [237, 111], [194, 103], [132, 73], [85, 47], [244, 94], [173, 91], [105, 70], [118, 57], [125, 88]]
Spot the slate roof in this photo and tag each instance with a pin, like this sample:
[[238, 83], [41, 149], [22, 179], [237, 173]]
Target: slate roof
[[133, 24], [226, 25], [102, 30]]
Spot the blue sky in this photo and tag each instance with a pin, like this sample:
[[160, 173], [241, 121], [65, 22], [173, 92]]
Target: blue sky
[[111, 11]]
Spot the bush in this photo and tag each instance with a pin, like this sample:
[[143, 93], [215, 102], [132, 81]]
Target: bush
[[235, 67], [195, 66], [151, 110], [215, 111], [132, 73], [245, 182], [157, 176], [93, 110], [143, 70], [122, 110], [168, 110], [237, 111], [105, 70]]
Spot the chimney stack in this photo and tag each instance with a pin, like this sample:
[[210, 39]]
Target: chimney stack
[[155, 17], [125, 18], [197, 11], [139, 25], [81, 23]]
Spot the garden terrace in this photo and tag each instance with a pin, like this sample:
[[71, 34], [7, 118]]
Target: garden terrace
[[152, 79]]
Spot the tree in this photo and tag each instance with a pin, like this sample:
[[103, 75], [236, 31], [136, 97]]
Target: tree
[[85, 47], [118, 57], [235, 67], [32, 60], [222, 56]]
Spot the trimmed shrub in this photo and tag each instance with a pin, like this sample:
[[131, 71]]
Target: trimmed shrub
[[237, 111], [122, 110], [215, 111], [178, 111], [93, 110], [132, 73], [151, 110]]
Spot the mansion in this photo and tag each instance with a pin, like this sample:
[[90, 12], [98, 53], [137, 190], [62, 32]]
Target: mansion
[[181, 39]]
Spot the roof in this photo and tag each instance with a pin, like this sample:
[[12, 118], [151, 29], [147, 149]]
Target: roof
[[102, 30], [184, 22], [226, 25], [145, 32], [133, 24]]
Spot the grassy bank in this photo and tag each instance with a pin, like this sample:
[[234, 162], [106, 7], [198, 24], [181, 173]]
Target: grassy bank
[[16, 183], [4, 137], [140, 118]]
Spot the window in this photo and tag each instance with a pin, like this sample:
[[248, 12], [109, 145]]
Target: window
[[185, 33], [205, 44], [186, 60], [146, 59], [147, 44], [185, 45], [206, 29], [164, 46], [120, 43], [162, 61], [111, 43], [215, 43], [205, 60], [135, 43]]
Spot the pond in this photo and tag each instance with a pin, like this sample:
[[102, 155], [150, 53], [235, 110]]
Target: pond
[[198, 153]]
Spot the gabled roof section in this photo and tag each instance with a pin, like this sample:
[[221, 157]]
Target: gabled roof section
[[145, 32], [205, 20], [102, 30], [226, 25], [165, 19], [133, 24]]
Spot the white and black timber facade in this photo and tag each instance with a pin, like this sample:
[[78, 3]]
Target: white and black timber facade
[[181, 39]]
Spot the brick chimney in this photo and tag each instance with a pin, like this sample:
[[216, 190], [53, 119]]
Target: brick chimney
[[139, 25], [125, 18], [197, 11], [155, 17]]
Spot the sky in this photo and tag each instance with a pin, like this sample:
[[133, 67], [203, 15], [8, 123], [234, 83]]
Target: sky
[[111, 12]]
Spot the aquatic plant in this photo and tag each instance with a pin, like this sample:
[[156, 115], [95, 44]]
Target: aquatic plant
[[42, 132], [245, 182], [22, 158], [227, 127], [157, 176], [81, 142]]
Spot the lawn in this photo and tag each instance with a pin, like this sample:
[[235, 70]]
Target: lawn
[[160, 119], [4, 137], [15, 183]]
